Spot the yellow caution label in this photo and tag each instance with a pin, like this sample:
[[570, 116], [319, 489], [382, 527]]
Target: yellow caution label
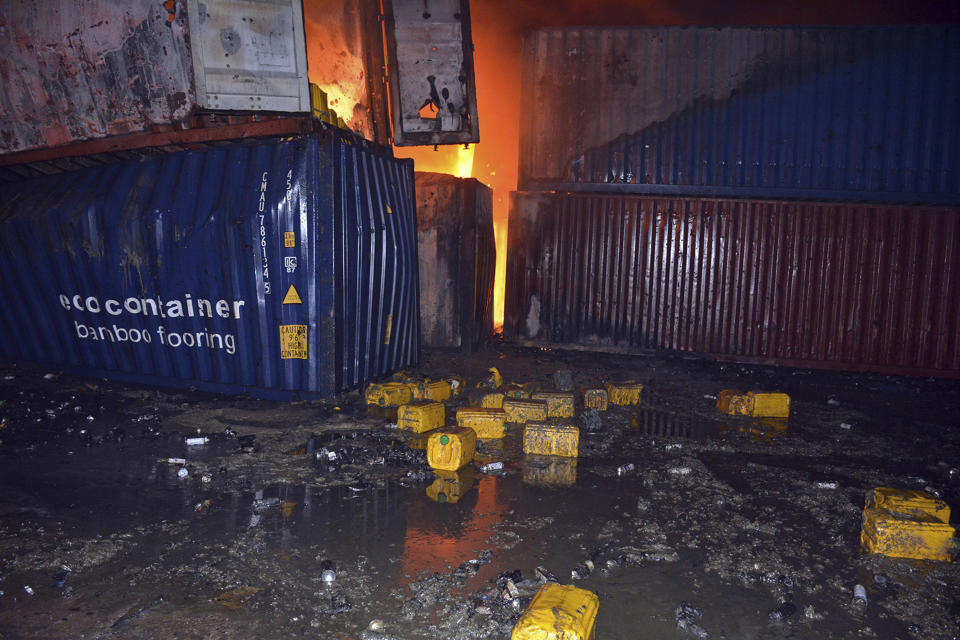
[[293, 342], [289, 239], [292, 296], [389, 210]]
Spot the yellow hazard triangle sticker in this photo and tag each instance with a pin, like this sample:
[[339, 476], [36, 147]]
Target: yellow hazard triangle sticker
[[292, 296]]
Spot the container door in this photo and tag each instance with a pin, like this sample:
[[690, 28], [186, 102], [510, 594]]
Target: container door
[[433, 98], [249, 55]]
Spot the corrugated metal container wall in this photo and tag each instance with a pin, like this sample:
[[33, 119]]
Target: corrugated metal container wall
[[457, 260], [839, 113], [74, 70], [273, 266], [829, 285]]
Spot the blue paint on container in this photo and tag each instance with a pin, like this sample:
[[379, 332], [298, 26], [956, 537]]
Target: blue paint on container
[[274, 266]]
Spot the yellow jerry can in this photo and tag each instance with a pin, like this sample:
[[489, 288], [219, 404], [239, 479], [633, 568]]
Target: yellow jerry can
[[487, 423], [451, 449], [559, 403], [438, 390], [389, 394], [756, 404], [421, 416], [909, 503], [549, 471], [595, 399], [450, 486], [521, 411], [551, 439], [558, 612], [492, 400], [625, 393], [898, 535]]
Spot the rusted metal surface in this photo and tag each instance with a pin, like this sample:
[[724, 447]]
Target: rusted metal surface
[[432, 80], [457, 260], [202, 132], [826, 113], [831, 285], [74, 70], [77, 70]]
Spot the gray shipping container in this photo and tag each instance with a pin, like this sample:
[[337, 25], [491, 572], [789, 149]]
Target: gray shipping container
[[457, 260], [74, 71], [828, 113]]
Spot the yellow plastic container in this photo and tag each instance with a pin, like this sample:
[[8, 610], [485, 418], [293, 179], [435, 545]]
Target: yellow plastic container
[[914, 504], [624, 394], [389, 394], [522, 411], [549, 471], [595, 399], [559, 403], [898, 535], [551, 439], [420, 417], [492, 400], [438, 390], [451, 449], [756, 404], [488, 423], [559, 612], [450, 486]]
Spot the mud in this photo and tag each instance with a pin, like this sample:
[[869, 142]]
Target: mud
[[723, 528]]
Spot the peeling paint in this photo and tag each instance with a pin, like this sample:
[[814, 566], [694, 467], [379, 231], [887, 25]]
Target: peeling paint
[[104, 69]]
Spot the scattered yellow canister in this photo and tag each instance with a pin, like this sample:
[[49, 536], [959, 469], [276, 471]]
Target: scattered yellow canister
[[595, 399], [521, 411], [906, 524], [421, 416], [438, 390], [558, 612], [389, 394], [559, 403], [625, 393], [756, 404], [451, 449], [551, 439], [488, 423]]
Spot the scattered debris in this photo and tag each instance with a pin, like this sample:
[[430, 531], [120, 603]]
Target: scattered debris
[[686, 615]]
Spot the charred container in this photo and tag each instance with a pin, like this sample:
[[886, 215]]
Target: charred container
[[860, 113], [457, 260], [80, 71], [276, 266]]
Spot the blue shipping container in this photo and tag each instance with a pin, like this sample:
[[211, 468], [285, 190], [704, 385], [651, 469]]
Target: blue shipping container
[[840, 113], [276, 266]]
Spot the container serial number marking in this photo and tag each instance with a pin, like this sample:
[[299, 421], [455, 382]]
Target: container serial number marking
[[263, 234], [293, 341]]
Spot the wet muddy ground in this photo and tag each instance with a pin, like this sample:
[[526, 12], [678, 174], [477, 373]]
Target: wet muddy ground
[[723, 526]]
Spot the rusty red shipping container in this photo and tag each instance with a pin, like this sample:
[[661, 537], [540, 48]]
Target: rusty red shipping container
[[861, 287]]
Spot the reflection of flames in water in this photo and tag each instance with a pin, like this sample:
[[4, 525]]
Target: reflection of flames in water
[[443, 534]]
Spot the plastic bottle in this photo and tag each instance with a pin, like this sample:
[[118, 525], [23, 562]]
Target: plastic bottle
[[624, 469], [859, 596]]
